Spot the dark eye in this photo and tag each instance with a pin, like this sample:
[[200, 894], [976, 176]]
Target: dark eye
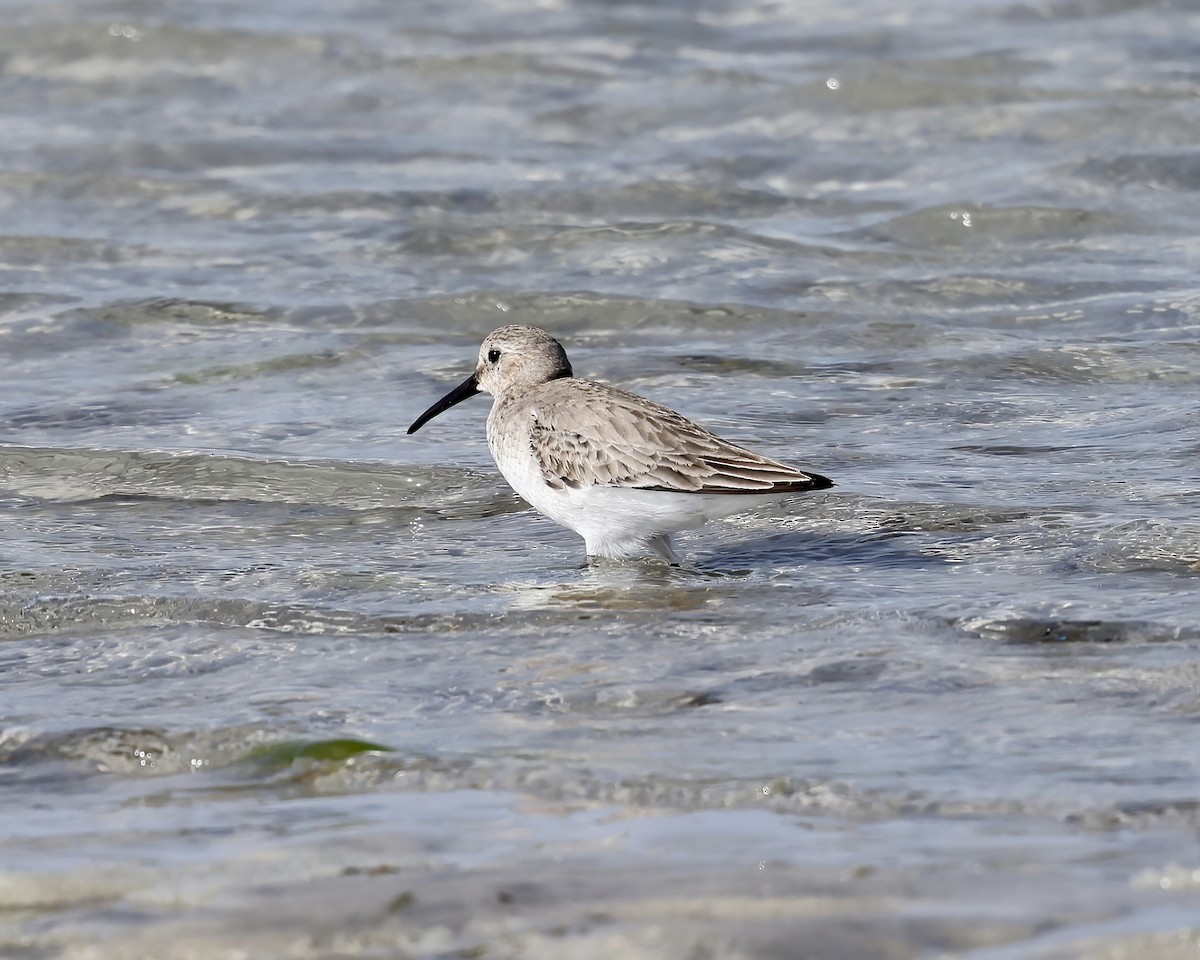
[[493, 356]]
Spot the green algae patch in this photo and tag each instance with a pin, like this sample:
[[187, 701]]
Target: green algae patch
[[339, 750]]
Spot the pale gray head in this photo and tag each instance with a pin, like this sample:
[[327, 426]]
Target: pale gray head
[[510, 358], [519, 356]]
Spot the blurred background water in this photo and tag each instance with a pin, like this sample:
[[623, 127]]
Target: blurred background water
[[277, 680]]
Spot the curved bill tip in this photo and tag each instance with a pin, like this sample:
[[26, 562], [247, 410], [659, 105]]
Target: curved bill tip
[[468, 388]]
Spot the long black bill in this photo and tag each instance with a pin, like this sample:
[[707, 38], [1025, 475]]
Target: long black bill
[[464, 391]]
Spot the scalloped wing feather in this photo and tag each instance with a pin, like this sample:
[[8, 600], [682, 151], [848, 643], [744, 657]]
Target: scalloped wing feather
[[614, 438]]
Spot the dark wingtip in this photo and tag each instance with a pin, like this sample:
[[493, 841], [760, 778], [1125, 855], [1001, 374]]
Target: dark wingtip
[[818, 482], [812, 481]]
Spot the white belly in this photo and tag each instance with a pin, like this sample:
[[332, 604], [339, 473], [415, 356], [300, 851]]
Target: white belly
[[613, 521]]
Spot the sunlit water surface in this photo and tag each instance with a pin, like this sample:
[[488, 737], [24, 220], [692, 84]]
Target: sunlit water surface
[[278, 680]]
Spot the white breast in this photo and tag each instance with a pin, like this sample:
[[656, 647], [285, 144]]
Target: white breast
[[508, 440]]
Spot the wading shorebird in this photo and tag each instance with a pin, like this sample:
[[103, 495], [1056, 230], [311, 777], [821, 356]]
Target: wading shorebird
[[622, 471]]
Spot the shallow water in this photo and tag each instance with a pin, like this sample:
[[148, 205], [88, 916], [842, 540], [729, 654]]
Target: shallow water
[[277, 679]]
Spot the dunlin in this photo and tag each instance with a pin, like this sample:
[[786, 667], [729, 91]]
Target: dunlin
[[622, 471]]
